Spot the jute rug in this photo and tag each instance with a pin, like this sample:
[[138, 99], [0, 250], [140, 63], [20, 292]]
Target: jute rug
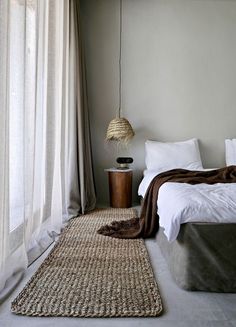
[[90, 275]]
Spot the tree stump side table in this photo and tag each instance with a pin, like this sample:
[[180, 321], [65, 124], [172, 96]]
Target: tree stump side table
[[120, 187]]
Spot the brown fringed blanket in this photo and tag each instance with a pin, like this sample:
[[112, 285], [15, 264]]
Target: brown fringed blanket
[[148, 223]]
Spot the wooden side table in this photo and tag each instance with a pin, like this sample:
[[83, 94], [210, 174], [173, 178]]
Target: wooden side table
[[120, 187]]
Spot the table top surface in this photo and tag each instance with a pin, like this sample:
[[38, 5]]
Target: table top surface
[[118, 170]]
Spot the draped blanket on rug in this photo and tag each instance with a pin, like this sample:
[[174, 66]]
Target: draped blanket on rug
[[148, 223]]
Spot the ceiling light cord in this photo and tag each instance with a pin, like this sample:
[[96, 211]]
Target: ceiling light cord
[[120, 76]]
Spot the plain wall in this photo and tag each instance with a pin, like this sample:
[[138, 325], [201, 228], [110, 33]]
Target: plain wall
[[178, 76]]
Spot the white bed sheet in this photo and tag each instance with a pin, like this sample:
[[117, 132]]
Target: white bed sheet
[[180, 203]]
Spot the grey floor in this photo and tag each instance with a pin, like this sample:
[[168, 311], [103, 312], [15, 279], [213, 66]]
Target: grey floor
[[182, 308]]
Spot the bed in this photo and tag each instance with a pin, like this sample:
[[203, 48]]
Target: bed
[[197, 234]]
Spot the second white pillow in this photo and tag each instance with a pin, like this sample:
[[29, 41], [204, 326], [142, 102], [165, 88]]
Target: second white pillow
[[230, 152]]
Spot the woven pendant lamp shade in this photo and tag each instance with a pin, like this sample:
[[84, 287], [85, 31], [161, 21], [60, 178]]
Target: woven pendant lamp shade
[[119, 129]]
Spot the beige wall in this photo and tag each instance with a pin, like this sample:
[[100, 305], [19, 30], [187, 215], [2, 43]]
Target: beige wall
[[179, 76]]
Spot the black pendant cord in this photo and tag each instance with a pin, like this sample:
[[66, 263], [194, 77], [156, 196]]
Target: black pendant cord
[[120, 58]]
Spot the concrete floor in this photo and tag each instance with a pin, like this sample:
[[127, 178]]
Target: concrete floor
[[182, 308]]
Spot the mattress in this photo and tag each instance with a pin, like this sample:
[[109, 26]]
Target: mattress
[[203, 257]]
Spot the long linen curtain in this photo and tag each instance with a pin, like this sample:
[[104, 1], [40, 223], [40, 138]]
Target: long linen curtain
[[45, 157]]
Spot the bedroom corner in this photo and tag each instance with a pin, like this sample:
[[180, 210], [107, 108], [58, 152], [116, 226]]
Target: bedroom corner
[[97, 228]]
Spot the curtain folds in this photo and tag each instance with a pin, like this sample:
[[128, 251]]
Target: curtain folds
[[46, 172], [82, 191]]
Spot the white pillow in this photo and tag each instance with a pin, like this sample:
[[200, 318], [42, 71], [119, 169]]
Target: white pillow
[[163, 156], [230, 152]]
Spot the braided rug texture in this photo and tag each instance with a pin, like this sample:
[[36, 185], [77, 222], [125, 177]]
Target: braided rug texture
[[91, 275]]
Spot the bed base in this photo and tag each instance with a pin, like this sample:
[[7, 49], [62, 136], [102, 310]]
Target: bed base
[[203, 257]]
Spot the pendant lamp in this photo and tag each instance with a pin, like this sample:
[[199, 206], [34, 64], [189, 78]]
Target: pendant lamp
[[119, 128]]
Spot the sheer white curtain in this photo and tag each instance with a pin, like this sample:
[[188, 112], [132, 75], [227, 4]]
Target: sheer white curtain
[[37, 128]]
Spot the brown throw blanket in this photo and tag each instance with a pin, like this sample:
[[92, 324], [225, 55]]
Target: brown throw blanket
[[148, 223]]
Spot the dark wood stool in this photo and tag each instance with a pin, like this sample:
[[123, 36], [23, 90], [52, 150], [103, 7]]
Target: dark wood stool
[[120, 187]]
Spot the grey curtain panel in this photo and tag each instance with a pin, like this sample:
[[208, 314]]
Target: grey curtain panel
[[81, 182]]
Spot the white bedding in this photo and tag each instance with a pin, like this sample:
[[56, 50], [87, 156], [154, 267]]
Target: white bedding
[[180, 203]]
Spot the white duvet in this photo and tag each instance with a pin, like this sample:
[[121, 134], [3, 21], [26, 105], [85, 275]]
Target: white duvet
[[180, 203]]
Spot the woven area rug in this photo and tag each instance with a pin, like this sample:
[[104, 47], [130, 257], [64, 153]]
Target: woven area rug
[[90, 275]]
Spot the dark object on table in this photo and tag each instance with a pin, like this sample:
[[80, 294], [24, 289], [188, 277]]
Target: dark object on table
[[124, 162]]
